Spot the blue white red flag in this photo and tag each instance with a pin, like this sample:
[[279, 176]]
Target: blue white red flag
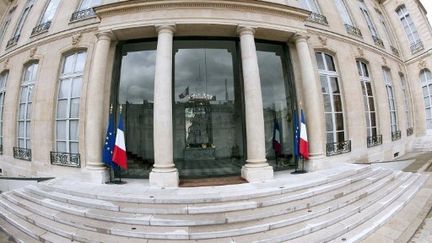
[[276, 138], [119, 155], [296, 134], [304, 143], [108, 148]]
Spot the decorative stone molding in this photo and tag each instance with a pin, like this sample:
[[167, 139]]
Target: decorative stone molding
[[323, 40], [422, 64], [384, 60], [32, 52], [76, 39], [360, 51], [6, 63]]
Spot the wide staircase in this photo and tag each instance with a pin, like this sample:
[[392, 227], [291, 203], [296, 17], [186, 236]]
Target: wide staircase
[[345, 204]]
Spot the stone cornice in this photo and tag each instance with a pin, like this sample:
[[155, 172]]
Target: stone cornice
[[243, 5]]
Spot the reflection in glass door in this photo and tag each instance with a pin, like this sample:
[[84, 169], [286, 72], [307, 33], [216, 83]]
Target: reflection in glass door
[[208, 125]]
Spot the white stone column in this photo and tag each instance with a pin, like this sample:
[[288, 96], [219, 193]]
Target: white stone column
[[94, 123], [256, 168], [311, 94], [164, 173]]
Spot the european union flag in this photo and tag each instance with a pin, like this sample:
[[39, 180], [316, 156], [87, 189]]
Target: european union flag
[[296, 134], [108, 148]]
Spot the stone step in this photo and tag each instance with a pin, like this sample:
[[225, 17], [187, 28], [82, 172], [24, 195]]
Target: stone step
[[293, 231], [16, 234]]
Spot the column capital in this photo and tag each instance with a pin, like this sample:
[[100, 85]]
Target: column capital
[[243, 29], [105, 35], [166, 28], [299, 37]]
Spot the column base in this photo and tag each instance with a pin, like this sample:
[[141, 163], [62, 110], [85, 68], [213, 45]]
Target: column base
[[257, 174], [98, 176], [164, 179]]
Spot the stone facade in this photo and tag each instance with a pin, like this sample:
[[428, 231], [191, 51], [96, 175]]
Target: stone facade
[[279, 20]]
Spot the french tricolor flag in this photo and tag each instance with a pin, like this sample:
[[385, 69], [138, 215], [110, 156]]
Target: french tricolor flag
[[304, 144], [119, 155]]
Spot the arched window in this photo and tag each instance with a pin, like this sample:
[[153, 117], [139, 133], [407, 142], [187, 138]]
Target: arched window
[[47, 15], [68, 103], [426, 83], [23, 150], [3, 80], [395, 132], [369, 105], [407, 106], [335, 128]]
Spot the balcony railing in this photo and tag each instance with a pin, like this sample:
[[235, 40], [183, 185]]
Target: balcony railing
[[1, 149], [374, 141], [82, 14], [338, 148], [41, 28], [318, 18], [352, 30], [378, 41], [65, 159], [13, 41], [395, 51], [410, 131], [416, 47], [22, 153], [396, 135]]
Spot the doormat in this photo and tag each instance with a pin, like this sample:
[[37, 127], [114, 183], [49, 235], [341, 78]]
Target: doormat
[[220, 181]]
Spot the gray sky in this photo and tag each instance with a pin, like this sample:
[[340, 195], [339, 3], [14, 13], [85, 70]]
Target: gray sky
[[428, 5]]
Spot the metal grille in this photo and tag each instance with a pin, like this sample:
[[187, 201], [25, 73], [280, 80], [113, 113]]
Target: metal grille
[[396, 135], [41, 28], [318, 18], [22, 153], [374, 141], [83, 14], [395, 51], [13, 41], [65, 159], [353, 30], [416, 47], [338, 148], [410, 131], [378, 41]]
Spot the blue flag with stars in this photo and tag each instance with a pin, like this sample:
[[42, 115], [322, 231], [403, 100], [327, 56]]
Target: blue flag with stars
[[109, 143]]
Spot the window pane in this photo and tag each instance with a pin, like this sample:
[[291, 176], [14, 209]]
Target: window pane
[[62, 109], [76, 87], [339, 121], [327, 103], [324, 85], [28, 143], [334, 85], [371, 104], [28, 129], [330, 138], [320, 61], [23, 96], [365, 71], [21, 143], [20, 129], [64, 90], [73, 129], [73, 147], [29, 110], [80, 62], [330, 63], [373, 119], [329, 122], [340, 136], [68, 65], [61, 130], [61, 147], [337, 103], [74, 109], [369, 88], [21, 115]]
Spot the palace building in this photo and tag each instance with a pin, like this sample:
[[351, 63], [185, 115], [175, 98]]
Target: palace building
[[205, 87]]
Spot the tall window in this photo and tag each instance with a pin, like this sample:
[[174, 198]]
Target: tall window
[[406, 101], [370, 23], [426, 82], [21, 21], [86, 4], [368, 99], [46, 18], [3, 80], [68, 102], [409, 28], [6, 23], [391, 101], [343, 11], [25, 106], [386, 30], [335, 130], [310, 5]]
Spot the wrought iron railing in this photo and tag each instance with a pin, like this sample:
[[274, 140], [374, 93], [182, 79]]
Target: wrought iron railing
[[410, 131], [13, 41], [41, 28], [416, 47], [394, 51], [353, 30], [374, 141], [65, 159], [338, 148], [83, 14], [378, 41], [22, 153], [318, 18], [396, 135]]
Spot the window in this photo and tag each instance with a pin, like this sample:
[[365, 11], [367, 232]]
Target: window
[[369, 104], [21, 21], [68, 103], [391, 102], [85, 10], [370, 24], [343, 11], [310, 5], [410, 29], [426, 83], [6, 23], [335, 130], [47, 16], [406, 102], [86, 4], [386, 30], [25, 106], [3, 79]]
